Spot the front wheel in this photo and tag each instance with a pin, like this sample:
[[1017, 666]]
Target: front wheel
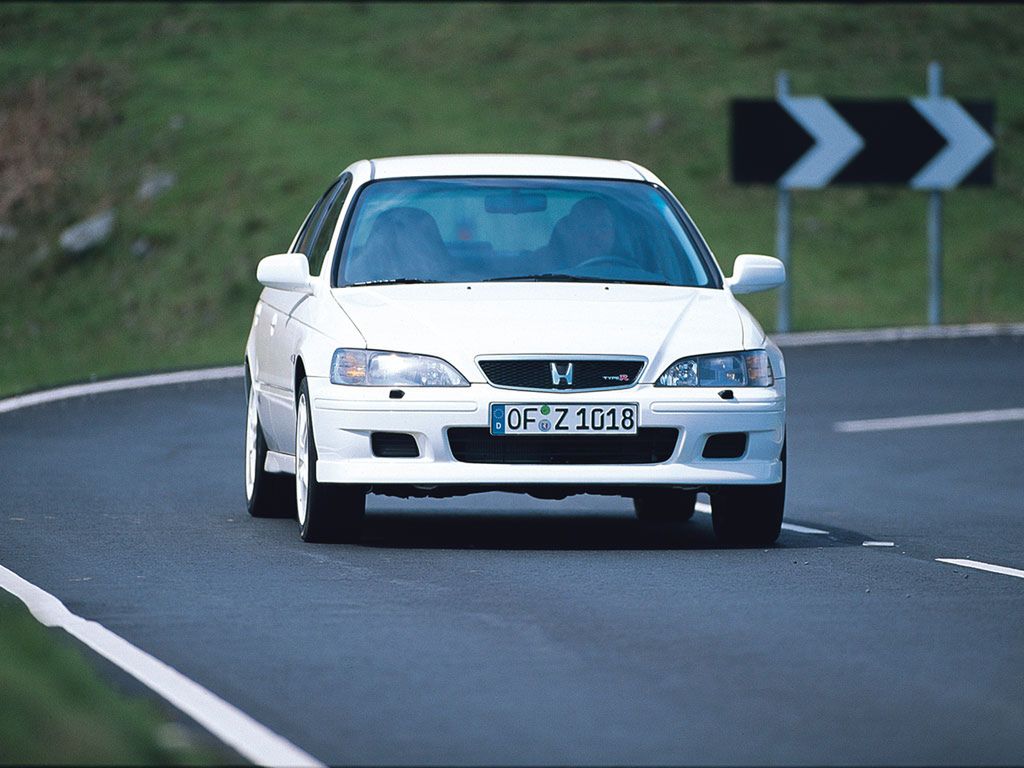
[[750, 515], [327, 511], [266, 494], [664, 505]]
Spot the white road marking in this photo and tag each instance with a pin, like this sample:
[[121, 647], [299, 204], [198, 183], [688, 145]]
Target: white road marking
[[118, 385], [803, 529], [931, 420], [705, 508], [1000, 569], [878, 544], [249, 738], [906, 333]]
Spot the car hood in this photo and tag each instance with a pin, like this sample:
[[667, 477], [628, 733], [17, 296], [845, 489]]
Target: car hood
[[460, 322]]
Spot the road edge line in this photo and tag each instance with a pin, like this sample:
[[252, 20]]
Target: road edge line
[[798, 339], [17, 402], [899, 333], [242, 733]]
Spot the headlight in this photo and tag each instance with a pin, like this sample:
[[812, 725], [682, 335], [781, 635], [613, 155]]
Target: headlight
[[735, 369], [366, 367]]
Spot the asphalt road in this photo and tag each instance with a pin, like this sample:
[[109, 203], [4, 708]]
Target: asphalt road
[[503, 629]]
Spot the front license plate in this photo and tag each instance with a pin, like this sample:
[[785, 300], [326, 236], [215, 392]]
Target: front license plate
[[565, 419]]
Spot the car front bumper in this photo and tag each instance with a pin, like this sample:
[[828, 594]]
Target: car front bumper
[[345, 417]]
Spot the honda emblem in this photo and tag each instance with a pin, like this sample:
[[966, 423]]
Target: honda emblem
[[560, 376]]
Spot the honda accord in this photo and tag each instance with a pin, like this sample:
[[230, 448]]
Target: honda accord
[[444, 325]]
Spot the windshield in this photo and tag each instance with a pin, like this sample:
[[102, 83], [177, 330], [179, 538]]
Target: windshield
[[491, 229]]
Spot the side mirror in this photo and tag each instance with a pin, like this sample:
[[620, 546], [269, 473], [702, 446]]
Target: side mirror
[[286, 272], [752, 273]]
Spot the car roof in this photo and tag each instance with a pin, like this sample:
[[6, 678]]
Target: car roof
[[506, 165]]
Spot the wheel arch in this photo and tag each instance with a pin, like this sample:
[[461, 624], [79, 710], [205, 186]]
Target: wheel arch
[[297, 376]]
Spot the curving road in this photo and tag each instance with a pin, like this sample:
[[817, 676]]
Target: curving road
[[499, 629]]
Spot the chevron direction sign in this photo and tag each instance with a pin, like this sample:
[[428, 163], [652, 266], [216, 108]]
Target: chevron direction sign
[[808, 142]]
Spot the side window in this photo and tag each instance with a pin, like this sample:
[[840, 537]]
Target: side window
[[309, 225], [323, 238]]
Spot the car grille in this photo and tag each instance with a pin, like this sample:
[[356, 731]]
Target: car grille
[[476, 445], [607, 373]]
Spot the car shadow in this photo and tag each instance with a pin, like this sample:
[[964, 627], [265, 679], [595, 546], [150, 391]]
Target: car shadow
[[419, 524]]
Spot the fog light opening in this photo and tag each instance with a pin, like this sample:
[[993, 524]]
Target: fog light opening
[[725, 445]]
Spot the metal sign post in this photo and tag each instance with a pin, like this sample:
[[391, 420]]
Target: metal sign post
[[783, 225], [935, 220]]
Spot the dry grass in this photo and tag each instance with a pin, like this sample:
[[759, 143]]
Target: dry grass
[[45, 128]]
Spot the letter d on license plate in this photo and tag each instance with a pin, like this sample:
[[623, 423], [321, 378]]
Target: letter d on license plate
[[564, 419]]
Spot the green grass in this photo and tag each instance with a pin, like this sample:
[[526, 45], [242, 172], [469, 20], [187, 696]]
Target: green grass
[[56, 710], [277, 99]]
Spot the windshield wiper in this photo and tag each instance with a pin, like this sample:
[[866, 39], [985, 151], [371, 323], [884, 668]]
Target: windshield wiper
[[553, 277], [396, 281], [639, 282]]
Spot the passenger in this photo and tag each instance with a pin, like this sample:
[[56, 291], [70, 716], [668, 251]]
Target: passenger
[[404, 243]]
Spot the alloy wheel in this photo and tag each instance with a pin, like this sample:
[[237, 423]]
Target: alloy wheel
[[251, 426], [301, 457]]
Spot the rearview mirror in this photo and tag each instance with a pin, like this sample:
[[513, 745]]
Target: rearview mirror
[[286, 272], [752, 273], [516, 202]]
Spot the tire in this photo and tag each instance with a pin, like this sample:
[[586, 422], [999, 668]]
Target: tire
[[750, 515], [327, 512], [266, 494], [664, 505]]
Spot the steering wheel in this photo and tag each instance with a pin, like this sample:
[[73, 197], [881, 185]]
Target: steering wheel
[[612, 260]]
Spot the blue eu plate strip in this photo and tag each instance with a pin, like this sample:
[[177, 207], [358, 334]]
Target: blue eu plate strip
[[497, 419]]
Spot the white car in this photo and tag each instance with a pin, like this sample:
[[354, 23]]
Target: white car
[[444, 325]]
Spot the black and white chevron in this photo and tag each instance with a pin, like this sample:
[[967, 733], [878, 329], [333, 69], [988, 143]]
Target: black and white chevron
[[809, 142]]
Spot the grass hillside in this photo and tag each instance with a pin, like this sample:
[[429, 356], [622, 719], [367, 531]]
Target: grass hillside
[[255, 107]]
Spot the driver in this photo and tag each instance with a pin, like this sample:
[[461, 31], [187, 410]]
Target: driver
[[587, 232]]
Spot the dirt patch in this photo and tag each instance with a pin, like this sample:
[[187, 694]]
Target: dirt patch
[[46, 126]]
